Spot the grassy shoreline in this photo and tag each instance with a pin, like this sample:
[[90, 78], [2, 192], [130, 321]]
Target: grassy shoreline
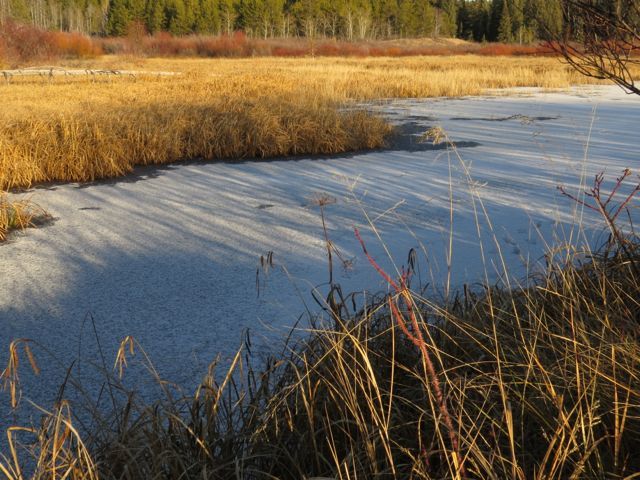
[[84, 129]]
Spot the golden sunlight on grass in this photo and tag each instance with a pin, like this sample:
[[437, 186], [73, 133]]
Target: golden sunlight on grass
[[79, 128], [17, 215]]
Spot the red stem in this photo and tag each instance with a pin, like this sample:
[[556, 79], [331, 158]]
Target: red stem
[[418, 340]]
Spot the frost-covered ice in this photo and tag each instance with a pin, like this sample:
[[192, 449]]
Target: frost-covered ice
[[171, 256]]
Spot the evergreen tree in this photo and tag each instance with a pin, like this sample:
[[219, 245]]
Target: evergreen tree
[[178, 17], [426, 18], [506, 20], [463, 20], [447, 19], [385, 17], [505, 32], [479, 19], [261, 17], [517, 21], [248, 13], [118, 17], [549, 17], [408, 18], [155, 16], [136, 9], [191, 12], [208, 20]]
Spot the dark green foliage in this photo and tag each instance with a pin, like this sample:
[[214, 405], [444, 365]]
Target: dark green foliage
[[473, 19], [209, 19], [446, 18], [181, 16], [523, 21], [119, 17], [155, 16], [260, 18], [505, 33]]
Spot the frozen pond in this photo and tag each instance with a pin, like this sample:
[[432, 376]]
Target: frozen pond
[[172, 256]]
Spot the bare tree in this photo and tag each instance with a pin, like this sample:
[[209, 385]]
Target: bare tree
[[601, 39]]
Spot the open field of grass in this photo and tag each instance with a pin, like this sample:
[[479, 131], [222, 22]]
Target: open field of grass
[[84, 128]]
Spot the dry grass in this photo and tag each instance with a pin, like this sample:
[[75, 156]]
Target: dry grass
[[17, 215], [109, 143], [82, 129]]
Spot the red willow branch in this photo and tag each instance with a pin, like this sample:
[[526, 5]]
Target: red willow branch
[[418, 340], [610, 211]]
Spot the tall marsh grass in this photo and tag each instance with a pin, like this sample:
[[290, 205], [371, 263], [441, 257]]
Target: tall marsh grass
[[82, 128], [109, 143]]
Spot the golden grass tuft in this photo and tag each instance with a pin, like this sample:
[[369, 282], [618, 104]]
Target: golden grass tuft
[[17, 215], [101, 144]]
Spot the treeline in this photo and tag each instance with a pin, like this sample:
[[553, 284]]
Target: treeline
[[83, 16], [519, 21]]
